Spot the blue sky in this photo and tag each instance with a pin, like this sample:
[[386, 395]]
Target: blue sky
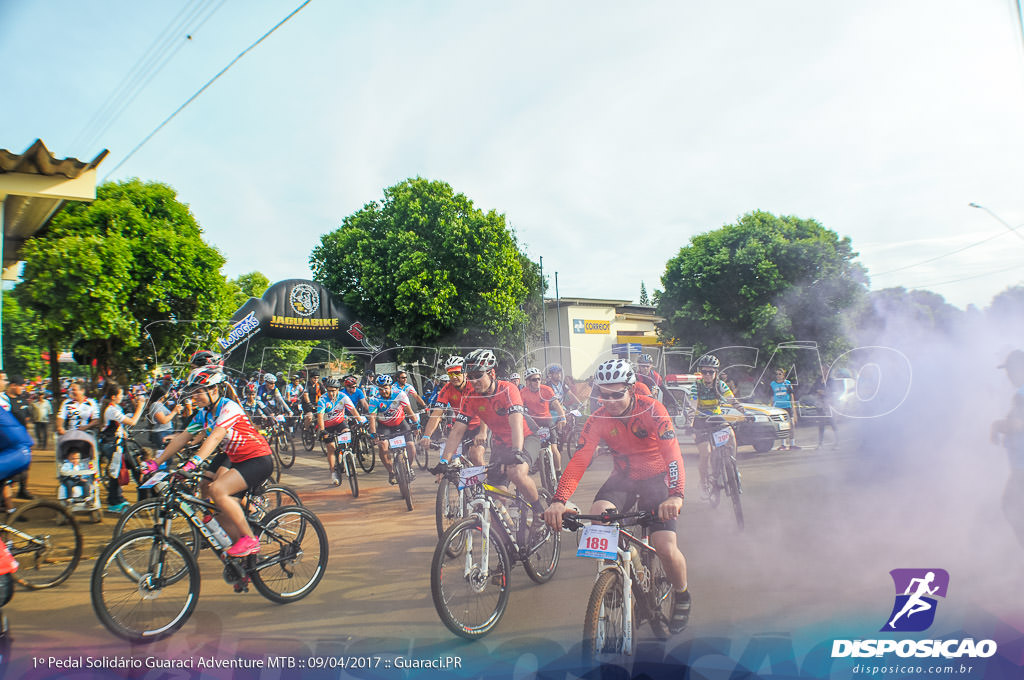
[[607, 133]]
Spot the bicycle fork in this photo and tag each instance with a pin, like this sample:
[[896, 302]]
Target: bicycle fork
[[482, 508]]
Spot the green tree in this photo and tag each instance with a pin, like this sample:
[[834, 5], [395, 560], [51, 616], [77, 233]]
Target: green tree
[[644, 299], [23, 348], [895, 314], [424, 267], [103, 270], [763, 281]]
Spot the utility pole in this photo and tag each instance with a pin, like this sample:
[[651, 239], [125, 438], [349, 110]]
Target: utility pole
[[558, 320]]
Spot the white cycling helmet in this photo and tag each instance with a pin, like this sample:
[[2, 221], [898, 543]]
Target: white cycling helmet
[[615, 371], [444, 378], [531, 371], [204, 376], [480, 360], [454, 363], [270, 378]]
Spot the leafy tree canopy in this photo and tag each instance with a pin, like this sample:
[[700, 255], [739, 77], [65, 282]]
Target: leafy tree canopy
[[763, 281], [23, 347], [424, 267], [103, 270]]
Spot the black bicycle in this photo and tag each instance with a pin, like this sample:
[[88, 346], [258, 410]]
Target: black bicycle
[[364, 446], [470, 570], [145, 584], [631, 588], [345, 459], [723, 474], [308, 428], [283, 444]]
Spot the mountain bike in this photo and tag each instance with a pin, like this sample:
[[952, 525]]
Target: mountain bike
[[403, 469], [723, 474], [145, 584], [631, 588], [469, 573], [450, 503], [345, 459], [258, 502], [545, 465], [44, 537]]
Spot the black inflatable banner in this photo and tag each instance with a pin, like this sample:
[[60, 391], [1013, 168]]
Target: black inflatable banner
[[296, 309]]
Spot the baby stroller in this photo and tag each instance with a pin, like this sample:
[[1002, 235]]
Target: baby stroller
[[79, 482]]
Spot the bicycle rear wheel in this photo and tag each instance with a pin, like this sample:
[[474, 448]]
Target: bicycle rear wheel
[[350, 470], [659, 596], [293, 556], [423, 458], [732, 482], [542, 545], [275, 475], [142, 515], [469, 600], [46, 541], [150, 607], [401, 463], [604, 623], [547, 466]]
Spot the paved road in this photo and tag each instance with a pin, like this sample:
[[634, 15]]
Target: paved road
[[808, 554]]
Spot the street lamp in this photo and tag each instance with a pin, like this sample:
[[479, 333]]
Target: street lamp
[[1013, 230]]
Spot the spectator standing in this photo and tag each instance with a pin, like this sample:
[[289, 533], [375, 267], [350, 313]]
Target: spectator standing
[[161, 418], [825, 416], [41, 410], [1009, 431], [784, 397]]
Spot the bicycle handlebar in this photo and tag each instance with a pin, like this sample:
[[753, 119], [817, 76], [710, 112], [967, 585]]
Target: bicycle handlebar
[[573, 521]]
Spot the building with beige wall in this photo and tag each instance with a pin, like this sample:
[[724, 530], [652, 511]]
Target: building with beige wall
[[582, 331]]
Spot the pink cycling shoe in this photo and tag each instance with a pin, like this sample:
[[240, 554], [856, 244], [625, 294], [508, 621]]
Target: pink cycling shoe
[[246, 545]]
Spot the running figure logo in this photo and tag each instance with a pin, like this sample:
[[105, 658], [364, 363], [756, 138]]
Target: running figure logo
[[914, 609]]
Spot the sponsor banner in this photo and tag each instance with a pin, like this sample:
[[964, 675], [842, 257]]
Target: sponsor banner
[[296, 309], [591, 326]]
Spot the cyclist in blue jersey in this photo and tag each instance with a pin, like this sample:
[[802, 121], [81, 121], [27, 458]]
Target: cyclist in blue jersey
[[332, 413], [258, 412], [272, 397], [349, 385], [391, 416], [402, 383]]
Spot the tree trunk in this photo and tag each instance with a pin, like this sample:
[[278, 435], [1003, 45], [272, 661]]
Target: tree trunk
[[54, 376]]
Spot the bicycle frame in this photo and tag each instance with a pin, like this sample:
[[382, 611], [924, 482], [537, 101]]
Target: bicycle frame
[[483, 507]]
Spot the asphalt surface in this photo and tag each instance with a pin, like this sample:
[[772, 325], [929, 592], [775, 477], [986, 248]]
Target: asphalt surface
[[812, 554]]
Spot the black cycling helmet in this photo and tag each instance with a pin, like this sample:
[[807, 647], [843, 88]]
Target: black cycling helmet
[[708, 361], [204, 357]]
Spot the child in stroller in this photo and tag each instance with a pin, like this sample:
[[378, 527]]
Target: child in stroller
[[77, 475]]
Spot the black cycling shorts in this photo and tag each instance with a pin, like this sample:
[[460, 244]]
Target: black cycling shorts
[[648, 493], [254, 471], [502, 452], [390, 431]]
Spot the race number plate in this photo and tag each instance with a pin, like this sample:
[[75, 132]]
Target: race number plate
[[599, 541], [398, 441], [722, 437], [152, 480], [472, 476], [345, 437], [280, 418]]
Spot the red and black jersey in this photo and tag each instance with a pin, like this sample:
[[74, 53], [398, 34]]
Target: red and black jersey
[[538, 404], [494, 409], [453, 396], [643, 443]]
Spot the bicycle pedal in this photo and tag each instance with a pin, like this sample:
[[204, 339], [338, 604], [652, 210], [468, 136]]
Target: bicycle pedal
[[242, 586]]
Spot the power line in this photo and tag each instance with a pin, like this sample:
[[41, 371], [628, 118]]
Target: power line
[[952, 252], [968, 278], [204, 87]]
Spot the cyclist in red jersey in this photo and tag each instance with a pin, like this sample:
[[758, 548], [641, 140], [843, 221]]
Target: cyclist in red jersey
[[451, 395], [648, 467], [244, 463], [539, 401], [499, 405]]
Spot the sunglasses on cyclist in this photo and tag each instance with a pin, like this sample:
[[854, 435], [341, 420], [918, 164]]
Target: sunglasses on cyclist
[[475, 375], [454, 372], [609, 396], [707, 371], [533, 380]]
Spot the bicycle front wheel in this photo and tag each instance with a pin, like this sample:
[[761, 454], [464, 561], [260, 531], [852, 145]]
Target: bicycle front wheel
[[46, 541], [308, 437], [423, 458], [604, 627], [469, 598], [448, 507], [150, 606], [366, 453], [142, 515], [287, 450], [402, 473], [293, 555], [660, 596], [542, 546], [732, 484], [350, 470]]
